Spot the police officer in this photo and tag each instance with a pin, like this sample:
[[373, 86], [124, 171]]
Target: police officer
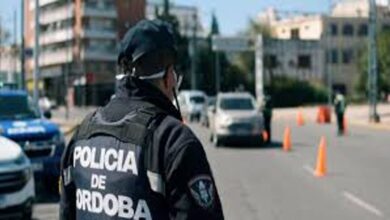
[[340, 106], [267, 114], [134, 158]]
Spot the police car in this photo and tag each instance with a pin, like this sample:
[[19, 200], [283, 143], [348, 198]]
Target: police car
[[42, 141], [16, 182]]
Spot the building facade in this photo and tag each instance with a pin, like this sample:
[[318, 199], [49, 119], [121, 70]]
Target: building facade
[[303, 61], [79, 45], [188, 17], [342, 34], [9, 65]]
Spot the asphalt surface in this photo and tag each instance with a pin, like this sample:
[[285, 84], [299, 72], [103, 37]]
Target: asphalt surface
[[267, 183]]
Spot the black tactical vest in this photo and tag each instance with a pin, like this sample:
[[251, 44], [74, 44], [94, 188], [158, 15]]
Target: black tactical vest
[[116, 171]]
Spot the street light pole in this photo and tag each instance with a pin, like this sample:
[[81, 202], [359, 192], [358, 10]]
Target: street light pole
[[36, 53], [217, 73], [68, 60], [328, 55], [373, 63], [193, 54], [22, 49]]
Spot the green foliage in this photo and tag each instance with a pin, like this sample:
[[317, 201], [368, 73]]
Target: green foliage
[[361, 84], [287, 92]]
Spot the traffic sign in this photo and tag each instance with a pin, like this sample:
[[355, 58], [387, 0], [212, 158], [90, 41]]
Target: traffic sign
[[232, 44]]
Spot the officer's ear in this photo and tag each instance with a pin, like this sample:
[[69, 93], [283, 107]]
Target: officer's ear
[[169, 78]]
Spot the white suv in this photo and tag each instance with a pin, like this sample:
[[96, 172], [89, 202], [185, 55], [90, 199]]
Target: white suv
[[236, 117], [17, 190]]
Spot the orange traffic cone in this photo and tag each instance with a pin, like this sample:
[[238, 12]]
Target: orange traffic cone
[[300, 119], [322, 117], [287, 140], [265, 136], [321, 169]]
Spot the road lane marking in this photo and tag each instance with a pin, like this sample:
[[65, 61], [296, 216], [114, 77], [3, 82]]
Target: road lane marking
[[308, 169], [362, 204]]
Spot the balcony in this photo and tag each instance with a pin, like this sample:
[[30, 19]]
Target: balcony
[[47, 2], [42, 3], [91, 54], [61, 56], [98, 33], [58, 14], [56, 36], [90, 10]]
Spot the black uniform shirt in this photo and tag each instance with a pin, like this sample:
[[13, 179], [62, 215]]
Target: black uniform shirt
[[190, 191]]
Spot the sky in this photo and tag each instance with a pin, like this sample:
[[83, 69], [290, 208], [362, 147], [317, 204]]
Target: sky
[[233, 15]]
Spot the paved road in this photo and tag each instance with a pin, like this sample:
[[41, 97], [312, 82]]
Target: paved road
[[266, 183], [270, 184]]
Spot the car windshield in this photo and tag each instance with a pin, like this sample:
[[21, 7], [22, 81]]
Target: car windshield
[[237, 104], [197, 99], [17, 108]]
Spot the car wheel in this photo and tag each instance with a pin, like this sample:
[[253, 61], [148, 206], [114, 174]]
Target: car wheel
[[51, 183], [27, 215]]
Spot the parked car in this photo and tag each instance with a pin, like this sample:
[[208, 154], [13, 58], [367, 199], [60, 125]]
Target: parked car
[[193, 104], [42, 141], [236, 118], [209, 114], [16, 182]]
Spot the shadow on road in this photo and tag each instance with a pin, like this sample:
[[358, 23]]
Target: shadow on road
[[44, 194], [251, 146]]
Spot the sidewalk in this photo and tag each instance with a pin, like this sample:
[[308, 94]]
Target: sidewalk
[[356, 115], [76, 115]]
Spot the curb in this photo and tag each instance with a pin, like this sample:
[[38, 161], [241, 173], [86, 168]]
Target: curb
[[71, 129], [381, 127]]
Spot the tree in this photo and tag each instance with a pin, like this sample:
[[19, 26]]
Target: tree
[[245, 62], [214, 25], [383, 66]]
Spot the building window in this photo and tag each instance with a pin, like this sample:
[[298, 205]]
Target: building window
[[295, 33], [348, 30], [363, 30], [270, 61], [347, 56], [304, 61], [334, 31], [332, 56]]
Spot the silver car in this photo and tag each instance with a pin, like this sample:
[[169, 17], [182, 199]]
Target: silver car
[[236, 118]]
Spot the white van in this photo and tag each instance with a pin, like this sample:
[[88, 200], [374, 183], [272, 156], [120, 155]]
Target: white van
[[17, 189], [193, 104]]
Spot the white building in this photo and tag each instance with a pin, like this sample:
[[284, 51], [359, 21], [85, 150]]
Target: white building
[[9, 65], [302, 60], [342, 35]]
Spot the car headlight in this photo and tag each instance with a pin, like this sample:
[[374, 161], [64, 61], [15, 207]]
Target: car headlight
[[225, 121], [58, 138], [21, 160], [27, 173]]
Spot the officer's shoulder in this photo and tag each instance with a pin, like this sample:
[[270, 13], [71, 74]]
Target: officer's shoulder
[[172, 124], [174, 132]]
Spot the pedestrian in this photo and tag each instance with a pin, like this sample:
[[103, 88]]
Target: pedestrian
[[340, 106], [134, 158], [267, 114]]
